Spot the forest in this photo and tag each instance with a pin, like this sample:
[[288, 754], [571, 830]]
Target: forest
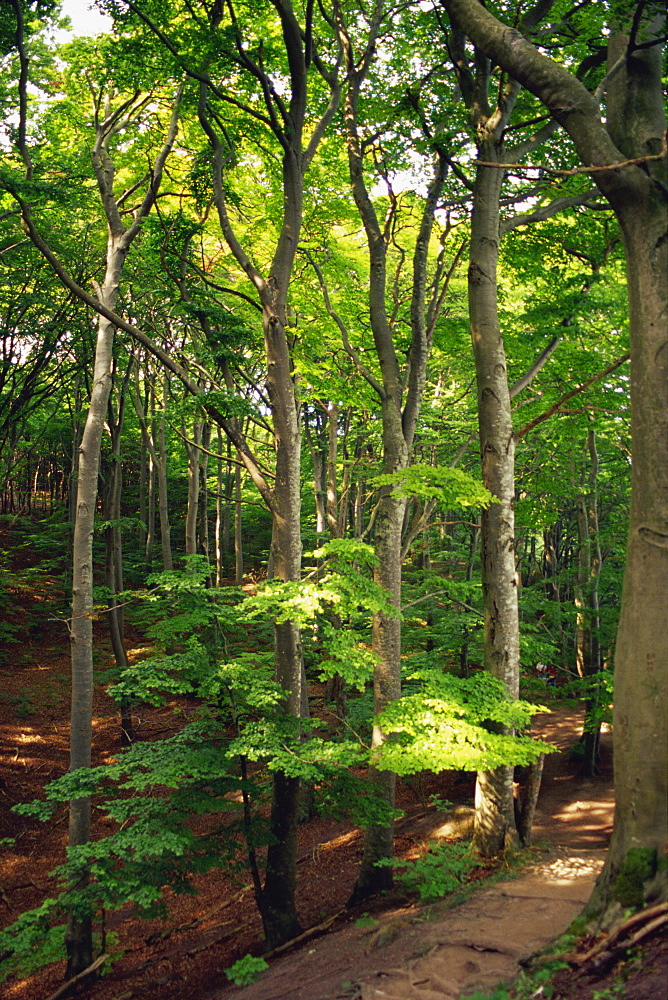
[[334, 401]]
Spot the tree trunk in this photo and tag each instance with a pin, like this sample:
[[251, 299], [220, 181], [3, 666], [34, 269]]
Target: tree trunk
[[192, 512], [238, 534], [219, 528], [494, 817], [279, 915], [379, 840], [588, 652], [78, 940], [114, 558]]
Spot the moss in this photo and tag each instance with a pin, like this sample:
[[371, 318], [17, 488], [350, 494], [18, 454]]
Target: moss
[[638, 868]]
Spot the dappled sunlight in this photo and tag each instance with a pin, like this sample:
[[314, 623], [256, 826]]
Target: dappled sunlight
[[341, 841], [563, 870]]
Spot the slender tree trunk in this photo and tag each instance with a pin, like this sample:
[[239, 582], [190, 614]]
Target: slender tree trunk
[[588, 650], [192, 512], [78, 940], [218, 531], [379, 840], [161, 475], [238, 533], [114, 560]]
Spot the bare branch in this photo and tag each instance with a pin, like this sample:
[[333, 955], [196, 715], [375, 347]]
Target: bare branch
[[569, 395]]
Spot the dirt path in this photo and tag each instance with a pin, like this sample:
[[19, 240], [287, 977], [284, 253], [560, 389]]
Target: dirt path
[[436, 953]]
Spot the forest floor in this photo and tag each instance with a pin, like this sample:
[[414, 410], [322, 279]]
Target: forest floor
[[392, 948]]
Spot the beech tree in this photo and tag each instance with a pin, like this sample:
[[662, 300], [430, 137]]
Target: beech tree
[[626, 157]]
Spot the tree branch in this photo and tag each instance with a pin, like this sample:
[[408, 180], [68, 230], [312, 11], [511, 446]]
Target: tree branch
[[569, 395]]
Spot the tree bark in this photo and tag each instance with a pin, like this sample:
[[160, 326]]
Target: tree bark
[[78, 937]]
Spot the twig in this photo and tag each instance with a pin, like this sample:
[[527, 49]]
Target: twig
[[66, 987], [163, 935], [305, 935], [217, 940], [580, 170], [569, 395]]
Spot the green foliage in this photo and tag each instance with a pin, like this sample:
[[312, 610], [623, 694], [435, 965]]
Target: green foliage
[[246, 970], [448, 723], [441, 870], [156, 678], [598, 691], [451, 487], [33, 940]]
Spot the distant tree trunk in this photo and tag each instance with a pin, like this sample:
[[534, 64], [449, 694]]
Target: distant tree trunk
[[161, 476], [238, 525], [192, 511], [318, 461], [588, 649], [204, 493], [114, 553], [155, 442], [144, 492], [219, 529]]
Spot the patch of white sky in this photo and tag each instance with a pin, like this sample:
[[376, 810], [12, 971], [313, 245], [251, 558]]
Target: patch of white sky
[[85, 18]]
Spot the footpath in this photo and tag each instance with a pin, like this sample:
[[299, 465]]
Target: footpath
[[441, 953]]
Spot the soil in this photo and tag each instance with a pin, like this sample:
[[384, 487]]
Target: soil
[[392, 948]]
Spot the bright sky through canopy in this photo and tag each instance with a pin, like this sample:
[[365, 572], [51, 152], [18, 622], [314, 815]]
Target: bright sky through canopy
[[85, 18]]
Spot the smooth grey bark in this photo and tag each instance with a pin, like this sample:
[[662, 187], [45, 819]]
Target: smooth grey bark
[[627, 160], [119, 239], [238, 532], [313, 432], [494, 826]]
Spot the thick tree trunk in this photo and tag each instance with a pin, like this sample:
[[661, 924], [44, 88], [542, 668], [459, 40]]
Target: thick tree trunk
[[641, 656]]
